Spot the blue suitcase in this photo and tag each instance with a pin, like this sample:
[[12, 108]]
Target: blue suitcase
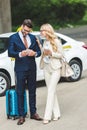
[[11, 104]]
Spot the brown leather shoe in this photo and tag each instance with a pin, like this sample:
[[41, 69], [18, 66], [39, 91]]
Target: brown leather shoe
[[21, 121], [36, 117]]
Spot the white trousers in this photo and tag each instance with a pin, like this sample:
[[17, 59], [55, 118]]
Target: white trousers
[[52, 106]]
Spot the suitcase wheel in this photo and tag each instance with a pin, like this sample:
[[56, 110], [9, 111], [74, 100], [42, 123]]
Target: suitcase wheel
[[13, 118], [8, 117], [27, 116]]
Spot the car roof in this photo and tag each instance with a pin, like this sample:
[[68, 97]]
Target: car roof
[[66, 38], [4, 35], [11, 33]]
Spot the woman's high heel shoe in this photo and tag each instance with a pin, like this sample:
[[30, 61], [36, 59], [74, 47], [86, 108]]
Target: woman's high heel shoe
[[56, 118], [46, 121]]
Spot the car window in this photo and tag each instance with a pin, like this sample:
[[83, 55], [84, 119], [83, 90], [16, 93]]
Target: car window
[[62, 41], [40, 39], [3, 44]]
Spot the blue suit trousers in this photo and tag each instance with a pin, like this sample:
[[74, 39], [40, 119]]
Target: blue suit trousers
[[22, 78]]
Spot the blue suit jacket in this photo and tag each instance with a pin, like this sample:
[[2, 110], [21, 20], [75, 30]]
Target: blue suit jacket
[[15, 46]]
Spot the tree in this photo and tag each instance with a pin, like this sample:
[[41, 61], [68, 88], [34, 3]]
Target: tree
[[5, 16], [52, 11]]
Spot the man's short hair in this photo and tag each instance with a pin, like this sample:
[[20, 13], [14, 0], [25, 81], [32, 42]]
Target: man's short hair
[[28, 23]]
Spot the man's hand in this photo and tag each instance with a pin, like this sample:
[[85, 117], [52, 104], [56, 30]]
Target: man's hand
[[30, 52], [24, 53]]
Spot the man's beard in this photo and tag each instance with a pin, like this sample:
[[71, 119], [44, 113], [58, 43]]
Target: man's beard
[[24, 34]]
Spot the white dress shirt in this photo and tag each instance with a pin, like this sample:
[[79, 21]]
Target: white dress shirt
[[27, 38]]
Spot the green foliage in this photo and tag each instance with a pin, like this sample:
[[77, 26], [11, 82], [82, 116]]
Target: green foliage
[[58, 12], [71, 12]]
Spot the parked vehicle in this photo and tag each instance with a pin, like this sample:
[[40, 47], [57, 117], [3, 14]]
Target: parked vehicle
[[75, 53]]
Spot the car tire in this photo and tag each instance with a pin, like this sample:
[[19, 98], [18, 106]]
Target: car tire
[[4, 83], [77, 68]]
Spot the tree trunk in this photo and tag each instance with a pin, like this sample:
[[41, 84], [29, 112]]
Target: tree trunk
[[5, 16]]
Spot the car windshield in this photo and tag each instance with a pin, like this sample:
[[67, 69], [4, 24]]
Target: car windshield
[[3, 44]]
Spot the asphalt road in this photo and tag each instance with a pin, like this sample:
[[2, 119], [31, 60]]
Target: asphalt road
[[72, 99], [78, 33], [73, 105]]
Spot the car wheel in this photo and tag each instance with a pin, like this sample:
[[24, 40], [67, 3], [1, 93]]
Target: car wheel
[[77, 68], [4, 83]]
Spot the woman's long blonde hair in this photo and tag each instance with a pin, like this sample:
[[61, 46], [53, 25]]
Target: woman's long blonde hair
[[50, 34]]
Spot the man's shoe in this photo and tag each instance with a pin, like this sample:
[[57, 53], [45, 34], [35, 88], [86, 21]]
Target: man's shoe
[[21, 121], [36, 117]]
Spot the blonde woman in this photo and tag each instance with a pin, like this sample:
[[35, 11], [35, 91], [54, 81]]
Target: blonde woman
[[50, 62]]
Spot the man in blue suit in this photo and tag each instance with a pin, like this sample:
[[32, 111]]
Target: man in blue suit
[[25, 67]]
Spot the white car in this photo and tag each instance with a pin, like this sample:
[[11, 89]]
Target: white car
[[75, 53]]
